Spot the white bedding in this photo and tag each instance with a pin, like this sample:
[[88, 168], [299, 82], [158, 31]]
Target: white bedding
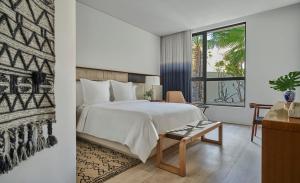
[[135, 123]]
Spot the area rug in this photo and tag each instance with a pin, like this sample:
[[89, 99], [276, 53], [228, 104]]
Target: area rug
[[96, 163]]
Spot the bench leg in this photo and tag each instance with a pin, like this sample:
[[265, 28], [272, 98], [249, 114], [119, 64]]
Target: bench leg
[[181, 170], [220, 137], [221, 134], [182, 158], [159, 152]]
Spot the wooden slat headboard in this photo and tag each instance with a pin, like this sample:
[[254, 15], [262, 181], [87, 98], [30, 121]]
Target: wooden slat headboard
[[100, 75]]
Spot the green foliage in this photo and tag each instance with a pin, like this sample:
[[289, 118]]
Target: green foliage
[[197, 54], [233, 38], [197, 40], [286, 82], [148, 94]]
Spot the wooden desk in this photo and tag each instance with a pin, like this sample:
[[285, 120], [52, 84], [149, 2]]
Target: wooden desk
[[280, 146]]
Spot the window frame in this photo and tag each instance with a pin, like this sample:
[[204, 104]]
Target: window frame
[[204, 77]]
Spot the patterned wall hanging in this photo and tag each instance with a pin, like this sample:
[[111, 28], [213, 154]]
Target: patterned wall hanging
[[27, 60]]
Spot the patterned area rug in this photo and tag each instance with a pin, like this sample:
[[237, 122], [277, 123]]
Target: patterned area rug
[[97, 164]]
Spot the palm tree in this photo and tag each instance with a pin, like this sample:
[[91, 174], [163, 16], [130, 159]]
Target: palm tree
[[197, 54], [233, 60], [197, 66]]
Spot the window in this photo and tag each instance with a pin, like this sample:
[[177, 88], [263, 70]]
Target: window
[[218, 66]]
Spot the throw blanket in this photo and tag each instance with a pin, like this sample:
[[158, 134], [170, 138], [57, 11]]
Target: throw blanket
[[26, 79]]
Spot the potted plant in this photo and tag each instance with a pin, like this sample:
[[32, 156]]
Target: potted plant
[[148, 94], [287, 84]]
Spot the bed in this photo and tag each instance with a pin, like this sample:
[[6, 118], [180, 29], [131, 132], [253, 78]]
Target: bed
[[132, 126]]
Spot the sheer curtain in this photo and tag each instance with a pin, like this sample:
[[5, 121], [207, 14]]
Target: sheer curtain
[[176, 60]]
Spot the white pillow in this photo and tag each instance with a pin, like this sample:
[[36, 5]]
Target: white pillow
[[123, 91], [95, 92], [79, 95], [134, 96]]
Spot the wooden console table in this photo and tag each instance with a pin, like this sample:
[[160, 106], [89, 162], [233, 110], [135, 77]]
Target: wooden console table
[[280, 146], [186, 135]]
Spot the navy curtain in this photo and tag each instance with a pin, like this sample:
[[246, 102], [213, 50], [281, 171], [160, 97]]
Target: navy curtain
[[176, 59]]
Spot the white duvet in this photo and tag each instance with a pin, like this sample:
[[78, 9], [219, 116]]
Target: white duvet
[[136, 123]]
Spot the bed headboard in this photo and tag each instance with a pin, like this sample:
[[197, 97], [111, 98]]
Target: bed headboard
[[102, 75]]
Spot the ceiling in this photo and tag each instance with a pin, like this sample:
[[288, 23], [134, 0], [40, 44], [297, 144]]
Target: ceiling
[[162, 17]]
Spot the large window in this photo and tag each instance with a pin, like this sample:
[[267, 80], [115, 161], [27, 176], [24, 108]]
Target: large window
[[218, 66]]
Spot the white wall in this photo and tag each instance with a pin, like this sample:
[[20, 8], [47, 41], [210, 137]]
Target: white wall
[[105, 42], [57, 164], [272, 49]]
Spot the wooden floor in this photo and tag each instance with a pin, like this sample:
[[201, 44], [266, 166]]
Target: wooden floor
[[238, 161]]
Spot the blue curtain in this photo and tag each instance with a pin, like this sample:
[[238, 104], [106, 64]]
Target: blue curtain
[[176, 59]]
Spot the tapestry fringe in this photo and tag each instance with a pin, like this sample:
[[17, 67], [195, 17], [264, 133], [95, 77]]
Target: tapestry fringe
[[21, 148], [41, 142], [51, 140], [12, 133], [14, 149], [5, 161], [30, 147], [5, 164]]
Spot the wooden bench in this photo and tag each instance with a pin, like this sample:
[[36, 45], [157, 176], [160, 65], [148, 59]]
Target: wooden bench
[[186, 135]]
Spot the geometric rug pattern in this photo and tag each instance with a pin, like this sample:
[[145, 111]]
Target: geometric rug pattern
[[96, 163]]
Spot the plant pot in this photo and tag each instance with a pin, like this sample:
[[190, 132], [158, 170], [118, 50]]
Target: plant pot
[[289, 96], [148, 97]]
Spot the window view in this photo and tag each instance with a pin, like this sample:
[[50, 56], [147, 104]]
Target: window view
[[218, 66], [197, 70]]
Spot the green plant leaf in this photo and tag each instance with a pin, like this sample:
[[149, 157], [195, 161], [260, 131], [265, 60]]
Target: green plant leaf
[[286, 82]]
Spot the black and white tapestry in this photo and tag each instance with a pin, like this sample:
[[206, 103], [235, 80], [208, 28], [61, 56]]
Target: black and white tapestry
[[27, 58]]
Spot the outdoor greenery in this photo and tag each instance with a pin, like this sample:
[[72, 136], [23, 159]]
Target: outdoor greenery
[[197, 87], [230, 41], [286, 82], [197, 54], [233, 61], [234, 58], [148, 94]]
